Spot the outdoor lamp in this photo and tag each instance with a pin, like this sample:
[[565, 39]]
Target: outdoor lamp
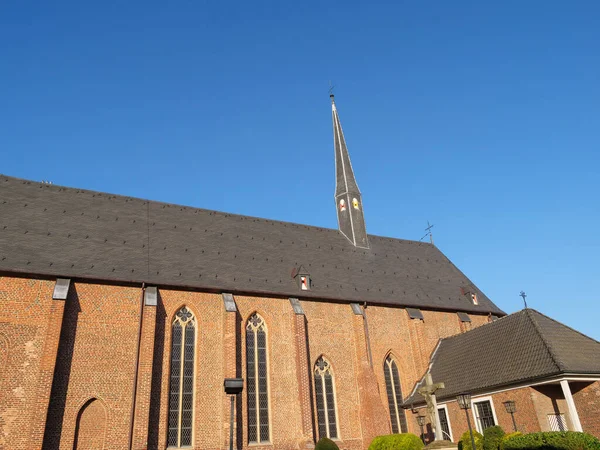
[[233, 387], [464, 401], [421, 422], [511, 408]]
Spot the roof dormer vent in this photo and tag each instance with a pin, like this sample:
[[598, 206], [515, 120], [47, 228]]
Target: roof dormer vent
[[302, 277]]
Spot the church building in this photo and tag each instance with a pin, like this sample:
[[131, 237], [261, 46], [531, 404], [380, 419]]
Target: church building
[[120, 319]]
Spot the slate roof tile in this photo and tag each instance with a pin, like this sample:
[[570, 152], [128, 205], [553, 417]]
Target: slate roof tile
[[520, 347], [57, 231]]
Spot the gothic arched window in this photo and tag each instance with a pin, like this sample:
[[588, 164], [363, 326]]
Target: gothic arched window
[[394, 395], [325, 396], [181, 391], [256, 375]]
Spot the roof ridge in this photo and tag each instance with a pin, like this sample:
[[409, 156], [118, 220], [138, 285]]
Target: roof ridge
[[565, 325], [547, 344], [158, 202]]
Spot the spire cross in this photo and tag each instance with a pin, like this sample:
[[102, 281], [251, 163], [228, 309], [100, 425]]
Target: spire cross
[[428, 392], [524, 295]]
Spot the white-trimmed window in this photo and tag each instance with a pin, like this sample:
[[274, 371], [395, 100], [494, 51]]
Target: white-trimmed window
[[325, 397], [445, 422], [484, 413], [394, 396], [257, 380], [181, 386]]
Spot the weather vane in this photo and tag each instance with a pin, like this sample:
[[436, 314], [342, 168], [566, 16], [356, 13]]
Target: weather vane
[[524, 295], [428, 233]]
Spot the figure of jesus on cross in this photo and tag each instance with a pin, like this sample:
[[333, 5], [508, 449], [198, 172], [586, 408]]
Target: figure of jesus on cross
[[428, 392]]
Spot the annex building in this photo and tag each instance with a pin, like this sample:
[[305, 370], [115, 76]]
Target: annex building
[[121, 317]]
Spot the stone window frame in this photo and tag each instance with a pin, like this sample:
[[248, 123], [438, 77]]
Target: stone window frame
[[255, 329], [400, 412], [474, 410], [186, 318], [445, 408], [328, 370]]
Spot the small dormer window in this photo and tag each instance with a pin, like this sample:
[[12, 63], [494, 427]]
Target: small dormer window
[[468, 292], [302, 278], [355, 203], [342, 205], [305, 282]]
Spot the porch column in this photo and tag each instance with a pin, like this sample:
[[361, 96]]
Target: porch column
[[564, 384]]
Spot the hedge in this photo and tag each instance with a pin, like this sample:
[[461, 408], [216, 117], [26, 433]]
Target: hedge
[[403, 441], [509, 436], [553, 440], [326, 444], [492, 437], [465, 441]]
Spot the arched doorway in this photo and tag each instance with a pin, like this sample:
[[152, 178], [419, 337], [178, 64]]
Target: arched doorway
[[91, 426]]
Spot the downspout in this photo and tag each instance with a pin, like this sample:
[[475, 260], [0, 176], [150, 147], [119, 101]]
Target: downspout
[[136, 368], [368, 339]]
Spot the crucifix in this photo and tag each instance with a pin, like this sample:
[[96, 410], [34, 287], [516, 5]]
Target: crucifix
[[428, 392]]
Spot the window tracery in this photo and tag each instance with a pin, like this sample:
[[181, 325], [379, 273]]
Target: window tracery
[[181, 391], [257, 380], [325, 398], [394, 395]]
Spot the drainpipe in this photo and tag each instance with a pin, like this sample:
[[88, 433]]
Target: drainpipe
[[368, 339], [136, 367]]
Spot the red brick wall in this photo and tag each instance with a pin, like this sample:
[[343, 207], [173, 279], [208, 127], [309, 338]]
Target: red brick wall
[[209, 424], [549, 399], [587, 402], [411, 342], [286, 424], [97, 351], [26, 313], [95, 360], [91, 426]]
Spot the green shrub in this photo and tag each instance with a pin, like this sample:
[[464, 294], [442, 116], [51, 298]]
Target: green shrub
[[326, 444], [554, 440], [492, 437], [465, 441], [403, 441], [508, 436]]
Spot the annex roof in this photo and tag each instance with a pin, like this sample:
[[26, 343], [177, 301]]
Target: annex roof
[[521, 347], [58, 231]]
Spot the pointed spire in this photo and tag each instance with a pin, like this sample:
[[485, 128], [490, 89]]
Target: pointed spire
[[351, 221]]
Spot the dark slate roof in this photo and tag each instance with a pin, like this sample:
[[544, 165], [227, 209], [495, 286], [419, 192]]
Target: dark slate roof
[[58, 231], [521, 347]]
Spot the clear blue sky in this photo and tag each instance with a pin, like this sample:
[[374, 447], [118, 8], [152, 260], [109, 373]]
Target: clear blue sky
[[481, 117]]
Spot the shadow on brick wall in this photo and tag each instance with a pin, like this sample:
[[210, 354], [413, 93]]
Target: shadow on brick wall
[[157, 374], [62, 372]]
